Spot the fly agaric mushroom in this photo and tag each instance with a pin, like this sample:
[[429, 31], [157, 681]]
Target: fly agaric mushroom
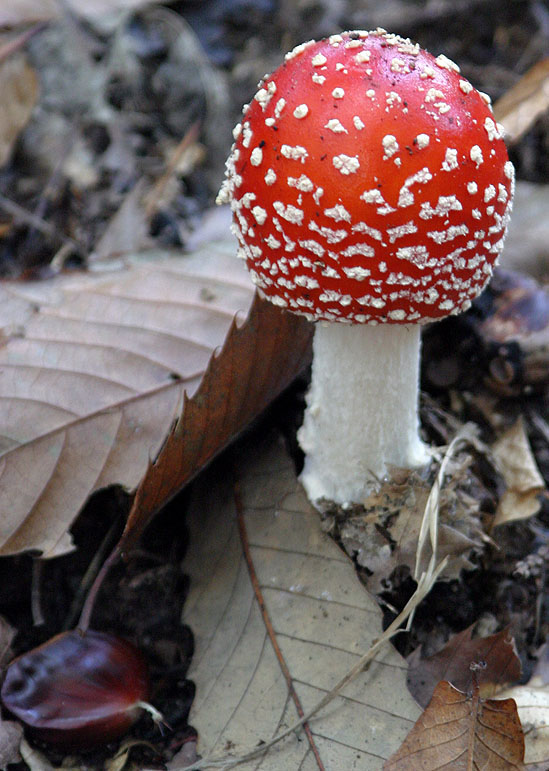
[[371, 189]]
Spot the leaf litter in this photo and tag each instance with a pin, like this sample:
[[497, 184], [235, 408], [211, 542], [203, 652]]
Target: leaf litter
[[383, 533], [80, 170]]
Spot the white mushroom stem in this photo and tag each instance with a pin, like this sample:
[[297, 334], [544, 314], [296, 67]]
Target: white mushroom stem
[[361, 415]]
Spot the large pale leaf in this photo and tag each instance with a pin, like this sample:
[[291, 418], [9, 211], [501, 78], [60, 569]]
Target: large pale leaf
[[93, 372], [279, 617]]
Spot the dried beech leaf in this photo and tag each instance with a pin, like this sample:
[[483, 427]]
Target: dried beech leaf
[[525, 102], [19, 89], [259, 359], [520, 473], [459, 731], [453, 662], [93, 371], [279, 616]]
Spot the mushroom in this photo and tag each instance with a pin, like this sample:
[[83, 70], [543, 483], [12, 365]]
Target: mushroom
[[371, 189]]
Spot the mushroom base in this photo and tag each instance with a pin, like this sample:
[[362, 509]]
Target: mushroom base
[[361, 415]]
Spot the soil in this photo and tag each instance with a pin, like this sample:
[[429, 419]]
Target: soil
[[154, 96]]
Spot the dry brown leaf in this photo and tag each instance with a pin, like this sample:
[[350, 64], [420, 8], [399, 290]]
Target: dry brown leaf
[[462, 732], [19, 89], [453, 662], [522, 478], [127, 230], [93, 374], [386, 536], [258, 360], [279, 617], [525, 102]]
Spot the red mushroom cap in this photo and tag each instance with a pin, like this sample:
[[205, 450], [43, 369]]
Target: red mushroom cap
[[369, 183]]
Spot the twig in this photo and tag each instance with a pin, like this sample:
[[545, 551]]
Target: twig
[[36, 594], [21, 40], [89, 604], [23, 215], [94, 569]]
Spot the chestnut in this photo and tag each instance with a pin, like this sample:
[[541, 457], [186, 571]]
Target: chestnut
[[79, 690]]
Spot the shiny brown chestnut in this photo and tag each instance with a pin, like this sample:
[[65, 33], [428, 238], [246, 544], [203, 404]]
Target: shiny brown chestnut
[[79, 690]]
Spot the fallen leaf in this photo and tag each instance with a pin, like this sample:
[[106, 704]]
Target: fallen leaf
[[533, 708], [279, 616], [94, 371], [127, 230], [185, 757], [453, 662], [19, 89], [461, 731], [11, 734], [257, 362], [520, 107], [520, 473]]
